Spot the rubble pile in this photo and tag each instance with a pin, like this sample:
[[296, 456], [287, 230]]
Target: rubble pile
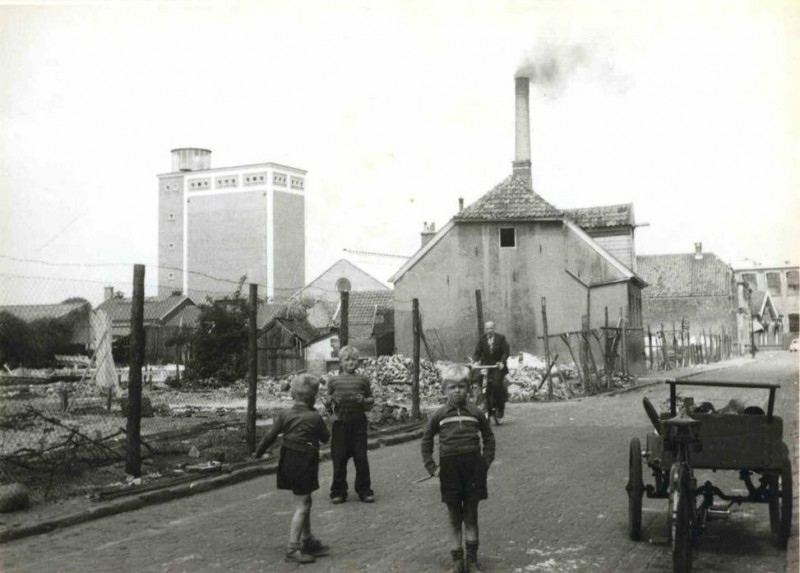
[[526, 374]]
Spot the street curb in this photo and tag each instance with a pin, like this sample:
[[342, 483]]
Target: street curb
[[202, 485]]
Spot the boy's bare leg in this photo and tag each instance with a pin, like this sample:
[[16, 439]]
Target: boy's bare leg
[[456, 515], [305, 532], [471, 535], [471, 521], [302, 511]]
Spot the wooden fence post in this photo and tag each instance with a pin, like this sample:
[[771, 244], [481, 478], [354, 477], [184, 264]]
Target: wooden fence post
[[479, 307], [650, 346], [133, 429], [547, 350], [252, 368], [415, 358], [344, 318]]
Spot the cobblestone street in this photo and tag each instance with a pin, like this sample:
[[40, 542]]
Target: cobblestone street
[[557, 503]]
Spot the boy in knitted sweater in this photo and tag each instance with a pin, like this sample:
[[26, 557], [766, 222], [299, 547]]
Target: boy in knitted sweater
[[461, 427]]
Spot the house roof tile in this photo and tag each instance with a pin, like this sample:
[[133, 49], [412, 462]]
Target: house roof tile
[[155, 308], [31, 312], [684, 275], [602, 216], [510, 199]]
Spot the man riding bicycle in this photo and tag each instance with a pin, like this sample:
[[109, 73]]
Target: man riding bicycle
[[492, 349]]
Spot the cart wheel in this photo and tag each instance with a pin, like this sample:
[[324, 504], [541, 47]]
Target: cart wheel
[[682, 509], [635, 490], [780, 505]]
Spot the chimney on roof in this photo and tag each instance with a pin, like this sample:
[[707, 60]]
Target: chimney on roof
[[698, 251], [460, 204], [108, 293], [428, 231], [522, 128]]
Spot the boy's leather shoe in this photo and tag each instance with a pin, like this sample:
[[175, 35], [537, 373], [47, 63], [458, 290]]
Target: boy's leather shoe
[[299, 556], [338, 499], [368, 498], [315, 547]]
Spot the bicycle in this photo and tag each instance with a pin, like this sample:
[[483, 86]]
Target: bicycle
[[485, 395]]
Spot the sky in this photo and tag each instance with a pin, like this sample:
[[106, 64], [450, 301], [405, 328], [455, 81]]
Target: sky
[[688, 110]]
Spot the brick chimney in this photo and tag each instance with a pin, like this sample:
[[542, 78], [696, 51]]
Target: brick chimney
[[108, 293], [428, 231], [698, 251], [460, 204], [522, 130]]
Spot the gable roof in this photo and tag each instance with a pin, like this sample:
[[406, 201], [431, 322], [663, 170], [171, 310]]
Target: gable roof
[[759, 301], [299, 327], [361, 310], [602, 217], [31, 312], [155, 308], [512, 198], [684, 275], [342, 268]]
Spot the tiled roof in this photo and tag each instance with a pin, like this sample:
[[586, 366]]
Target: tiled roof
[[155, 308], [511, 199], [683, 275], [757, 301], [601, 217], [299, 327], [31, 312], [362, 306]]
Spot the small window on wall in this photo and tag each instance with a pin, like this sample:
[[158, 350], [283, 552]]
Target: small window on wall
[[794, 323], [508, 237], [774, 284], [793, 282]]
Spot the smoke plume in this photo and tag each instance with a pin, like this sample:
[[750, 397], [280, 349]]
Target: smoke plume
[[553, 66]]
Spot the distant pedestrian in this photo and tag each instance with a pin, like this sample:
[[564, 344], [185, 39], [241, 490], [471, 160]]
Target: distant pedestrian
[[298, 469], [493, 349], [463, 431], [349, 397]]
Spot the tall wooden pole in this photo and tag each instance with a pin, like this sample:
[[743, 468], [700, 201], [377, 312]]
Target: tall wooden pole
[[479, 307], [415, 373], [624, 341], [547, 350], [344, 318], [133, 429], [607, 360], [650, 345], [252, 368]]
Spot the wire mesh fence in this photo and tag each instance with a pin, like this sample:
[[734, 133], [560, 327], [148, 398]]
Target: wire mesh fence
[[65, 354]]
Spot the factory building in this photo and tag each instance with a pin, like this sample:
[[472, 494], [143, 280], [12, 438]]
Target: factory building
[[216, 225]]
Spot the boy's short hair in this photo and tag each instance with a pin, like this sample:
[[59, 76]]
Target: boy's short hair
[[454, 373], [347, 351], [305, 386]]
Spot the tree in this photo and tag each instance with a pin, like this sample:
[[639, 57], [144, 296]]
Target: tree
[[219, 343]]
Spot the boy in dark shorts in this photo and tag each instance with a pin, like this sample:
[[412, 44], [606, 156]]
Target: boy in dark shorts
[[462, 465], [349, 397], [298, 468]]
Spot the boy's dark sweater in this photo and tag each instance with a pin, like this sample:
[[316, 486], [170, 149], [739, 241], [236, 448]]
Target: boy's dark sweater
[[459, 428], [343, 392], [302, 427]]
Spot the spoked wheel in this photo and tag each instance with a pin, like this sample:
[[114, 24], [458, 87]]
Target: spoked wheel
[[780, 504], [635, 490], [682, 510]]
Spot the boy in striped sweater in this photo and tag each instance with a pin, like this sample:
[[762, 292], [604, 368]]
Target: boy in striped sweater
[[349, 398], [461, 427]]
